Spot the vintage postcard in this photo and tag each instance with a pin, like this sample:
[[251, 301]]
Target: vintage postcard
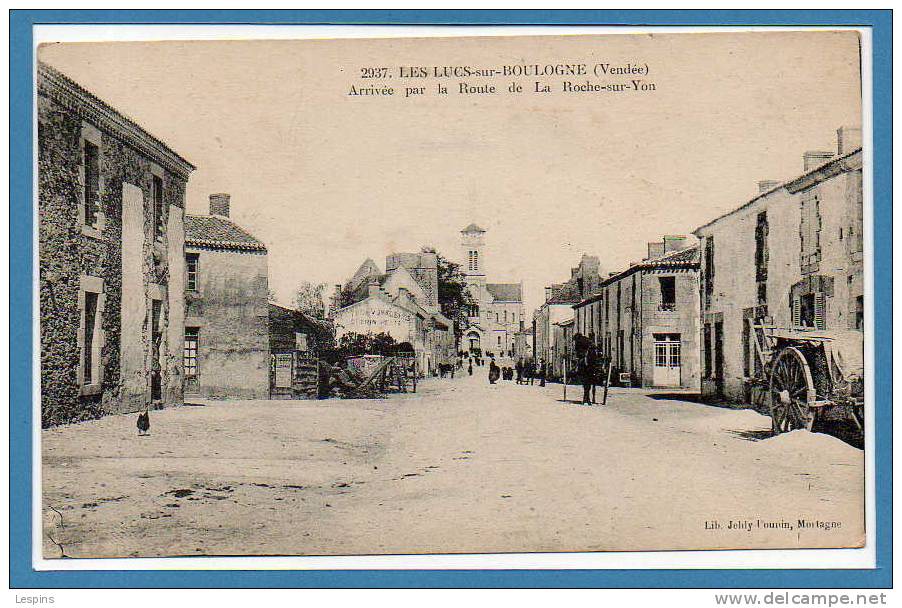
[[452, 294]]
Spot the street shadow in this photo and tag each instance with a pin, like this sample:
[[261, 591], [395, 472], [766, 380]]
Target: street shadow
[[186, 404], [843, 430], [690, 397], [753, 435]]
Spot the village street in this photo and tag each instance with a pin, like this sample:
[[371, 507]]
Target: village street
[[461, 466]]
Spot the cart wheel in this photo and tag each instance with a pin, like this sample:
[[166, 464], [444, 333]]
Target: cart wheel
[[792, 392]]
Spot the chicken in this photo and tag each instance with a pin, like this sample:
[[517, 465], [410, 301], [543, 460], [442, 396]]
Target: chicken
[[143, 422]]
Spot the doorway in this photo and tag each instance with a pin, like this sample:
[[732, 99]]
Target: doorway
[[668, 360]]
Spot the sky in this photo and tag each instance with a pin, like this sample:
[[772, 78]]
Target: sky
[[327, 179]]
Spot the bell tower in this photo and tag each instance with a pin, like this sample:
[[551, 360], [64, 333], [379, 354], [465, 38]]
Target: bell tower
[[472, 243]]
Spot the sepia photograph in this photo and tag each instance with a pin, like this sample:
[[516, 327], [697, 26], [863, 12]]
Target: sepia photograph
[[452, 294]]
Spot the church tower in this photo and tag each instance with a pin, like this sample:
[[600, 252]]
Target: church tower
[[472, 245]]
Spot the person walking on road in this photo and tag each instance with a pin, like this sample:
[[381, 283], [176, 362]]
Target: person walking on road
[[588, 371], [494, 372]]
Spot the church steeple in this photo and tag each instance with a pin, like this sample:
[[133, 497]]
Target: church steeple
[[472, 245]]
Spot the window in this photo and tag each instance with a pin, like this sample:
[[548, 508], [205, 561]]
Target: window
[[157, 194], [859, 312], [192, 338], [191, 262], [620, 348], [809, 309], [505, 316], [761, 253], [497, 317], [667, 350], [810, 230], [499, 340], [706, 339], [91, 338], [91, 159], [89, 355], [708, 278], [668, 293], [473, 260]]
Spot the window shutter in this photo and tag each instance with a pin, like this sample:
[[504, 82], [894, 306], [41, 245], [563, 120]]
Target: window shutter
[[820, 309], [796, 311]]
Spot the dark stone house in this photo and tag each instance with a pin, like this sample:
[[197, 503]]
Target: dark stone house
[[111, 241], [226, 338], [296, 342]]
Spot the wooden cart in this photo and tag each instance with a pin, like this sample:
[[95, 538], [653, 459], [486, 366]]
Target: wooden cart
[[378, 375], [806, 373]]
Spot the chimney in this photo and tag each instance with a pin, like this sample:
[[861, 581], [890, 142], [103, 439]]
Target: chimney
[[373, 289], [219, 204], [548, 292], [655, 250], [766, 185], [674, 243], [815, 158], [847, 139]]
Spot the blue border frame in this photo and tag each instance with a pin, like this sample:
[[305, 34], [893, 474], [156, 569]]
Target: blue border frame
[[21, 314]]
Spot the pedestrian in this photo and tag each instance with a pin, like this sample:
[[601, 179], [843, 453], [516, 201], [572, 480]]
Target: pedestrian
[[543, 372], [588, 370], [494, 372], [519, 369], [470, 367]]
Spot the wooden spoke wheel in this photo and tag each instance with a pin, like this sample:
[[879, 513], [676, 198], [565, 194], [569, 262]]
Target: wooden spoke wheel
[[792, 393]]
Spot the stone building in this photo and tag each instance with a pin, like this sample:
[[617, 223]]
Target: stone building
[[111, 201], [791, 256], [585, 278], [645, 318], [555, 310], [498, 312], [402, 302], [226, 338], [523, 343]]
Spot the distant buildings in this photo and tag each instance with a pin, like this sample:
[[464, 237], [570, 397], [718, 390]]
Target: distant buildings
[[557, 308], [645, 318], [791, 256], [111, 201], [402, 302], [226, 285], [498, 312]]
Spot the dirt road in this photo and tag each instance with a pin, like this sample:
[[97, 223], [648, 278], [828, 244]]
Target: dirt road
[[461, 466]]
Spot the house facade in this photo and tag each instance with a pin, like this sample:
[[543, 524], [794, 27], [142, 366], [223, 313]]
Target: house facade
[[111, 200], [792, 257], [557, 309], [498, 312], [402, 302], [226, 335], [645, 318]]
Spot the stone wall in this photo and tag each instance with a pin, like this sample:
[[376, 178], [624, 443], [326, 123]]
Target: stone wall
[[231, 311], [67, 253], [734, 293]]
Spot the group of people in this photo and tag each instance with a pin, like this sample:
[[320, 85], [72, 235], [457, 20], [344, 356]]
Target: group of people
[[526, 371]]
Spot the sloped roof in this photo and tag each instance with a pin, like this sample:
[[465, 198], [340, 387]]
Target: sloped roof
[[567, 294], [76, 98], [473, 228], [505, 292], [683, 258], [219, 233]]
